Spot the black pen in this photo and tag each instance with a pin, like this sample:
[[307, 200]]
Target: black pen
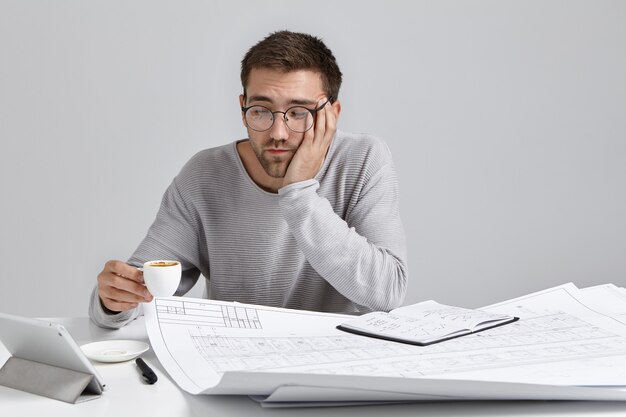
[[147, 373]]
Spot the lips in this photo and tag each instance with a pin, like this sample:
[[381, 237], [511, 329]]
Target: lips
[[278, 151]]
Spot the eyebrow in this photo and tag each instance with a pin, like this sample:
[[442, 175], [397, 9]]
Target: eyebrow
[[293, 101]]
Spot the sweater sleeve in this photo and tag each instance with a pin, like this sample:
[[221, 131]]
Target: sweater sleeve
[[173, 235], [362, 256]]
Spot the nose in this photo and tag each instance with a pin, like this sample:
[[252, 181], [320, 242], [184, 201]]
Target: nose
[[279, 130]]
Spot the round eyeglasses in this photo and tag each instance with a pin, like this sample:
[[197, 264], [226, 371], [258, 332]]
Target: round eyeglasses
[[298, 119]]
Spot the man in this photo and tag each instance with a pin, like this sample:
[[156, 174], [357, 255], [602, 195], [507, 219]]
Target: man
[[299, 215]]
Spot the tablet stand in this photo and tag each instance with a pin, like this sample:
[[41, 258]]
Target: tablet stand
[[47, 380]]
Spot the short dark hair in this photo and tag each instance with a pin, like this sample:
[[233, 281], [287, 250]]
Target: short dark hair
[[292, 51]]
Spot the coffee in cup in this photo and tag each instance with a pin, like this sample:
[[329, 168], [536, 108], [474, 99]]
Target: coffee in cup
[[163, 263]]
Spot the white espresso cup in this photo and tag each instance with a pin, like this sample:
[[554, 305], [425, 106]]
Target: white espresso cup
[[162, 277]]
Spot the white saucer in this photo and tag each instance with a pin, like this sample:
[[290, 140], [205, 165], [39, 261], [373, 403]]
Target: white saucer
[[114, 350]]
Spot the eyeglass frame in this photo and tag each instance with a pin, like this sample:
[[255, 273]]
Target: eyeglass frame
[[312, 111]]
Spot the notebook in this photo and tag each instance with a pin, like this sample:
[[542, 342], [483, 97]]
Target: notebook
[[424, 323]]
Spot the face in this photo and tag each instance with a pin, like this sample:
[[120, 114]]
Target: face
[[279, 91]]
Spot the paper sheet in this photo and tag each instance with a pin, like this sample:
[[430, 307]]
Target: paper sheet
[[607, 299], [228, 348], [586, 347], [198, 340]]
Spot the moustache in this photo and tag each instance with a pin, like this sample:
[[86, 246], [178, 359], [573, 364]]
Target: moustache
[[282, 145]]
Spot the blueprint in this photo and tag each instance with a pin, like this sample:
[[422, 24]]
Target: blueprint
[[607, 299], [561, 339]]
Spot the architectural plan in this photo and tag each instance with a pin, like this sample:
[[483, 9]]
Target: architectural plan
[[219, 347]]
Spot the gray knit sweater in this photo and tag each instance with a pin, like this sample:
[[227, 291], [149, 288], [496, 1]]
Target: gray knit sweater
[[334, 243]]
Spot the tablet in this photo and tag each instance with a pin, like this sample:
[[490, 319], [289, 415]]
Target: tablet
[[46, 342]]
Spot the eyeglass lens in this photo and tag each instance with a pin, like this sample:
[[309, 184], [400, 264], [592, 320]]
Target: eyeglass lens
[[298, 119]]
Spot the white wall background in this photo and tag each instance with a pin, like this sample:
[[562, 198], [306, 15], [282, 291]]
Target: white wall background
[[507, 120]]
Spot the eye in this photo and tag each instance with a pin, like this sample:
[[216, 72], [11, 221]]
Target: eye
[[259, 112], [297, 113]]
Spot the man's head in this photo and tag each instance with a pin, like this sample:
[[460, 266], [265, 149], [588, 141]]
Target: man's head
[[287, 51], [284, 70]]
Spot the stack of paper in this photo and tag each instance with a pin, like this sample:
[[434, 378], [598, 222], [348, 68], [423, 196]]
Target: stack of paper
[[569, 344]]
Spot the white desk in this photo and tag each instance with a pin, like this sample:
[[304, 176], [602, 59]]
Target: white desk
[[128, 395]]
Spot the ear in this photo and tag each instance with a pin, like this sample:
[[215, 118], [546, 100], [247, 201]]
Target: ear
[[337, 107], [242, 101]]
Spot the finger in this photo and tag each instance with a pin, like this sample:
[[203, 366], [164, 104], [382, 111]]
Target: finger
[[331, 117], [124, 270], [120, 295], [128, 285], [114, 305], [107, 281], [331, 123], [320, 123], [309, 135]]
